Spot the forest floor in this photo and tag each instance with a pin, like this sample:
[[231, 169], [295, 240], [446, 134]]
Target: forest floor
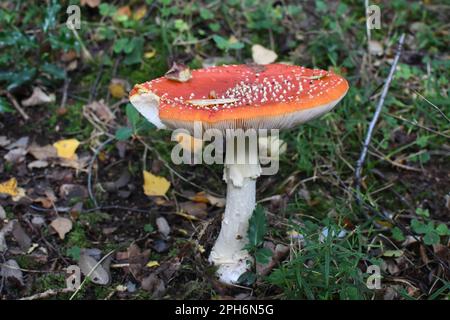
[[73, 151]]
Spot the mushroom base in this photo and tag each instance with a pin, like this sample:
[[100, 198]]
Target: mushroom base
[[228, 252]]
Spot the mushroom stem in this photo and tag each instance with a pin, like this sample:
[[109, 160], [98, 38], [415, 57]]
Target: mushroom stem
[[228, 252]]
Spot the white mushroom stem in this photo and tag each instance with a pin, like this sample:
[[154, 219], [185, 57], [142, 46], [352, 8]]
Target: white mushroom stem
[[228, 252]]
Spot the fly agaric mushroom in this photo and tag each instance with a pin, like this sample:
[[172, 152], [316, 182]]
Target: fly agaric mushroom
[[274, 96]]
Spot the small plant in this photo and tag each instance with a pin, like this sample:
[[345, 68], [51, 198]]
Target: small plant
[[431, 233], [256, 231]]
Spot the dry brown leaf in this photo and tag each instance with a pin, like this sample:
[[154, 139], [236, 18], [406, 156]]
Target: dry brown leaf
[[179, 72], [89, 266], [42, 153], [38, 97], [37, 164], [263, 55], [15, 155], [62, 226], [101, 110]]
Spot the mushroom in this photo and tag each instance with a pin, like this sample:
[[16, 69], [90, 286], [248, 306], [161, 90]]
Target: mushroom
[[274, 96]]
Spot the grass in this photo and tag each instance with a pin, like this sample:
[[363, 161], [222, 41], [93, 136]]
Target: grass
[[323, 34]]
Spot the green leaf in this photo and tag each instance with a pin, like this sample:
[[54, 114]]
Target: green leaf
[[5, 106], [132, 116], [397, 234], [257, 227], [120, 44], [135, 56], [247, 279], [74, 253], [442, 230], [124, 133], [431, 238], [149, 228], [419, 227], [263, 255], [423, 213], [53, 70]]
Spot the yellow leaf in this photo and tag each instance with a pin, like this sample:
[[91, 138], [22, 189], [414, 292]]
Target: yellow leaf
[[66, 148], [117, 90], [150, 54], [9, 187], [154, 185], [140, 13], [201, 249], [152, 264]]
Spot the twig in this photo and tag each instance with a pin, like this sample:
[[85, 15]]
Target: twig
[[47, 294], [16, 105], [368, 138], [90, 273], [91, 164], [433, 105], [417, 125], [65, 89]]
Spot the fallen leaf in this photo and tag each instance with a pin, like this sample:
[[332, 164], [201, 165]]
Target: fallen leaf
[[21, 236], [15, 155], [70, 191], [375, 48], [66, 148], [90, 3], [204, 197], [117, 90], [2, 213], [263, 55], [101, 110], [154, 185], [196, 209], [38, 97], [150, 54], [140, 13], [163, 226], [152, 264], [12, 273], [62, 226], [393, 253], [37, 164], [179, 72], [154, 284], [42, 153], [9, 187], [4, 141], [122, 14], [21, 143], [98, 274]]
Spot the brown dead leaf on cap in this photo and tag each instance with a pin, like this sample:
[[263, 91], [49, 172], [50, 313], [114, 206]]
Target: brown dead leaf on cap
[[179, 72]]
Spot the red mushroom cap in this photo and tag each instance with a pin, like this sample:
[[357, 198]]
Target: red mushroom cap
[[245, 96]]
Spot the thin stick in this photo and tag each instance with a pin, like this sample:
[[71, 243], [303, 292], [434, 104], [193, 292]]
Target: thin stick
[[90, 273], [47, 294], [91, 164], [16, 105], [368, 138]]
